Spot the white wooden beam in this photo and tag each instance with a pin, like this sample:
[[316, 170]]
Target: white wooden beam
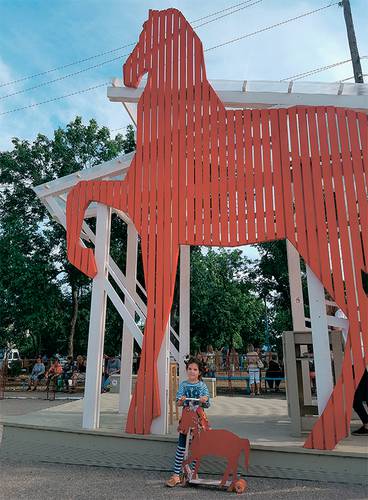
[[261, 94], [320, 338], [127, 343], [96, 335], [184, 309]]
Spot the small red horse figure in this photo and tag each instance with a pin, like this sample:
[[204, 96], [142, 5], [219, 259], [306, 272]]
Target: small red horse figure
[[219, 443], [212, 442], [204, 175]]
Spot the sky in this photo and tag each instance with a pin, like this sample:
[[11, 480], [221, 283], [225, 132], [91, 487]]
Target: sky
[[39, 35]]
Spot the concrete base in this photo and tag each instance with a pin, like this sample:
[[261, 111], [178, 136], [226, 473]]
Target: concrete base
[[57, 431]]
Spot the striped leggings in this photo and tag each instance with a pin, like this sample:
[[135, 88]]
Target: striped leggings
[[179, 455]]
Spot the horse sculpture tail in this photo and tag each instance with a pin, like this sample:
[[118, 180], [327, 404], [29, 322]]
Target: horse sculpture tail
[[111, 193], [77, 202], [246, 449]]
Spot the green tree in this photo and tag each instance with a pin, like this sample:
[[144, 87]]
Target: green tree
[[225, 309], [272, 278], [41, 293]]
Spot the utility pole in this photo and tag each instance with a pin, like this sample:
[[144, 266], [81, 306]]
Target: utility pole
[[355, 59]]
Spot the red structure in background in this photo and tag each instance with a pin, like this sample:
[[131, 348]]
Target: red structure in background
[[203, 175]]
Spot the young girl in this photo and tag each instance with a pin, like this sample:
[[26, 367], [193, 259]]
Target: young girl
[[193, 387]]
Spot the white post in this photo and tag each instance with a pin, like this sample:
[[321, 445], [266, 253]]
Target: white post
[[160, 424], [92, 393], [127, 340], [297, 312], [320, 338], [184, 309], [296, 291]]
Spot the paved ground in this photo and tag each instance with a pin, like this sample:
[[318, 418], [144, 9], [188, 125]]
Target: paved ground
[[48, 482], [55, 481], [21, 403], [12, 406]]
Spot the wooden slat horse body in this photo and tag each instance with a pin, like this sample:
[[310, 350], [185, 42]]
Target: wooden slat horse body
[[203, 175]]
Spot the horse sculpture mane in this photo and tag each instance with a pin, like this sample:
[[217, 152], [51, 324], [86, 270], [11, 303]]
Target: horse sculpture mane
[[203, 175]]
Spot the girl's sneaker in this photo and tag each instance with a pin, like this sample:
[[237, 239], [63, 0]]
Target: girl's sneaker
[[173, 481]]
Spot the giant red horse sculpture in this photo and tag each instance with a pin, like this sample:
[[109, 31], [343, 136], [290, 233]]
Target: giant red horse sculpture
[[203, 175]]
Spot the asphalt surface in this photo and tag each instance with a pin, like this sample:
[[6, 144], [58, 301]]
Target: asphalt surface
[[43, 481], [54, 481]]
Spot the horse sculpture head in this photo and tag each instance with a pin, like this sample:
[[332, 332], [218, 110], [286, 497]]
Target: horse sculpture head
[[159, 46], [140, 60]]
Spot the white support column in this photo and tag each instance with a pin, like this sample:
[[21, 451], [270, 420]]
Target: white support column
[[184, 309], [96, 335], [296, 291], [297, 312], [127, 340], [160, 424], [321, 343]]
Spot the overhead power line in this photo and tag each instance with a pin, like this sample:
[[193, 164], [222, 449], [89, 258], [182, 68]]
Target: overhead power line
[[66, 65], [228, 14], [95, 56], [54, 99], [69, 75], [267, 28], [317, 70], [350, 78], [220, 11]]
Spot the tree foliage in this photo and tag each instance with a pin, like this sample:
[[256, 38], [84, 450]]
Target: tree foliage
[[225, 308], [44, 301]]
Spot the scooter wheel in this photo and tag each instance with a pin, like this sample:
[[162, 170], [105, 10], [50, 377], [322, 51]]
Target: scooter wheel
[[240, 486]]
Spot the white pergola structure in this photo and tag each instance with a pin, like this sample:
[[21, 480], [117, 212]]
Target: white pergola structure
[[234, 94]]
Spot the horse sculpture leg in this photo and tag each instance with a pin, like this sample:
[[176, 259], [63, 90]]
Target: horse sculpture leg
[[160, 263], [111, 193], [229, 470]]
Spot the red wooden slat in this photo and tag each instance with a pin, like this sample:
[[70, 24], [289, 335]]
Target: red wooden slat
[[223, 189], [183, 135], [214, 162], [175, 134], [240, 168], [190, 139], [198, 98], [340, 424], [286, 178], [249, 178], [321, 221], [258, 175], [267, 177], [355, 242], [206, 165], [151, 278], [231, 176], [338, 285], [363, 135], [362, 206], [309, 201], [278, 195], [297, 185]]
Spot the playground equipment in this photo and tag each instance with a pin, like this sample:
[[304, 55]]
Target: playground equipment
[[202, 441]]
